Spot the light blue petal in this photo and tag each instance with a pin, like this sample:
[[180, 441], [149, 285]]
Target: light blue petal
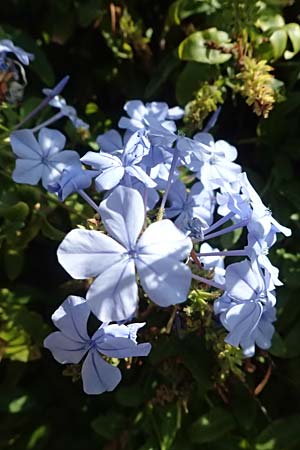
[[71, 318], [123, 215], [110, 142], [123, 348], [97, 375], [135, 109], [166, 281], [242, 283], [101, 161], [28, 171], [164, 239], [241, 320], [51, 141], [109, 178], [64, 349], [25, 145], [141, 175], [84, 254], [113, 295]]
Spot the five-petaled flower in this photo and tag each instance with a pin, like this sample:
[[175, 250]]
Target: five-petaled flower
[[156, 256], [72, 343], [41, 159]]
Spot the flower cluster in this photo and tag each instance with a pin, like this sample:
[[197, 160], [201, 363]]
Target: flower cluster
[[134, 173]]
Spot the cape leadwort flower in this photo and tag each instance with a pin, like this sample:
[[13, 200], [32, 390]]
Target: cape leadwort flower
[[72, 343], [65, 110], [212, 161], [155, 255], [7, 46], [73, 179], [199, 203], [41, 159], [246, 309], [117, 168], [142, 116]]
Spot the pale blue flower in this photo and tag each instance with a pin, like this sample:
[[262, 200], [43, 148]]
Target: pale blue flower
[[116, 167], [214, 263], [41, 159], [212, 161], [141, 116], [155, 255], [199, 203], [69, 111], [72, 180], [246, 309], [72, 343], [7, 46]]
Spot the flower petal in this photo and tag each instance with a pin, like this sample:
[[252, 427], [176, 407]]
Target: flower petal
[[163, 238], [242, 282], [25, 145], [123, 348], [110, 141], [166, 281], [71, 318], [141, 175], [64, 349], [241, 320], [85, 254], [97, 375], [113, 296], [109, 178], [123, 214], [51, 141], [28, 171]]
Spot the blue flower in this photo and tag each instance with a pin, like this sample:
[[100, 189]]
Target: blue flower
[[72, 180], [116, 168], [141, 116], [41, 159], [69, 111], [212, 263], [156, 256], [72, 343], [213, 161], [7, 46], [247, 307], [199, 203]]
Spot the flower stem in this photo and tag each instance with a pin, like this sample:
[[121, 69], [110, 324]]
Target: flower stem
[[88, 199], [225, 253], [161, 210], [48, 122], [226, 230], [55, 91], [219, 222], [209, 282]]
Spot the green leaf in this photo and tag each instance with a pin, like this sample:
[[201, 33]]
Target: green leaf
[[38, 437], [109, 425], [282, 434], [278, 41], [13, 263], [270, 21], [131, 396], [200, 47], [162, 73], [182, 9], [191, 78], [51, 232], [240, 397], [15, 213], [293, 31], [211, 426]]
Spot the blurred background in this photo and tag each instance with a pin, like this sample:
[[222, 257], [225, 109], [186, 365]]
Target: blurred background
[[192, 393]]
